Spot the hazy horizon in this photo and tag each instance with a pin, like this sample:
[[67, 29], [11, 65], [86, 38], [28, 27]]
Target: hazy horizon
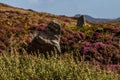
[[94, 8]]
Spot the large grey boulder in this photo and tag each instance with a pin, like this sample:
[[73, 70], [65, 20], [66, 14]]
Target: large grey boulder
[[47, 40], [81, 21]]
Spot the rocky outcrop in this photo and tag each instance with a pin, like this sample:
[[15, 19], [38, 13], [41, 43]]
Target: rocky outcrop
[[47, 40], [81, 21]]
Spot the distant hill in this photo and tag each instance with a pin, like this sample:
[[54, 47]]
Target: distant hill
[[31, 17], [91, 19], [118, 18]]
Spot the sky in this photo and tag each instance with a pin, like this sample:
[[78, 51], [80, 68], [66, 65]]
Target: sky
[[94, 8]]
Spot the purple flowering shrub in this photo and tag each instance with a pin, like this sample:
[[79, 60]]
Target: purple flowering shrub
[[99, 45], [102, 53], [96, 44], [70, 40], [82, 35], [112, 30], [97, 35]]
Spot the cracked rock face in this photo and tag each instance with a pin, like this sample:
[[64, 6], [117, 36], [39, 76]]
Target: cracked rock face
[[47, 40]]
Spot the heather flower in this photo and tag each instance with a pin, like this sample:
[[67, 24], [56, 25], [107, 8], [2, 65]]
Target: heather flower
[[88, 37], [71, 37], [93, 50], [63, 39], [86, 44], [115, 30], [107, 40], [96, 35], [113, 67], [70, 42], [76, 35], [100, 59], [99, 45], [82, 35], [85, 50], [63, 31]]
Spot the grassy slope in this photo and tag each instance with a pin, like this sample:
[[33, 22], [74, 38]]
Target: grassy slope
[[15, 27], [64, 67]]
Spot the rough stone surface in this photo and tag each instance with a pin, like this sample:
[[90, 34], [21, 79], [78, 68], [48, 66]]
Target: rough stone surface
[[81, 21], [47, 40]]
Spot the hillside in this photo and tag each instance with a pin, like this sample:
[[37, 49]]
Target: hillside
[[31, 17], [100, 20], [99, 43], [20, 24], [92, 19]]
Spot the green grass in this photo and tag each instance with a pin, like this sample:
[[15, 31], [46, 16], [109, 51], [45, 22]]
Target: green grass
[[64, 67]]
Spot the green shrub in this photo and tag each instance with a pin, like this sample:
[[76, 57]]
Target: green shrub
[[64, 67]]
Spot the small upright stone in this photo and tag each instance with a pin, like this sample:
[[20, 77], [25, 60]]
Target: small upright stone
[[47, 40], [81, 21]]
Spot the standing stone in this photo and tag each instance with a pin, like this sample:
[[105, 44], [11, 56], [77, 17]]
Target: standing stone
[[47, 40], [81, 21]]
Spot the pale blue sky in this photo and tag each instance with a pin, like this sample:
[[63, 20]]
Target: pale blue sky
[[95, 8]]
